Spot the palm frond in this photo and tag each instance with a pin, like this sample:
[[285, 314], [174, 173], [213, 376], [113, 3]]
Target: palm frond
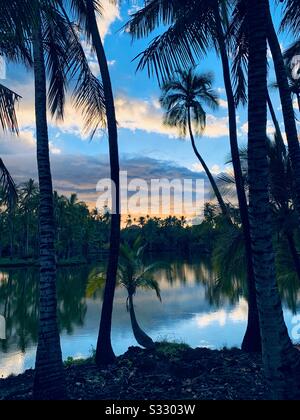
[[185, 41], [8, 100], [148, 282], [88, 95], [291, 16], [239, 48], [16, 20], [8, 187]]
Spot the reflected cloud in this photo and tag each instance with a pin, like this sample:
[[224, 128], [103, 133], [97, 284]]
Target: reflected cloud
[[221, 317]]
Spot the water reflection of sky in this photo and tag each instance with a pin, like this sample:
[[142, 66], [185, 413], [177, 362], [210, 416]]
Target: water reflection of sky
[[185, 315]]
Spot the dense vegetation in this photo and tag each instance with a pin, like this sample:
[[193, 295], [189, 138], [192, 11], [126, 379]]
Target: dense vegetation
[[83, 235]]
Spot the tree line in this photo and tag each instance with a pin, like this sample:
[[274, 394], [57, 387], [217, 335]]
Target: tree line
[[82, 235]]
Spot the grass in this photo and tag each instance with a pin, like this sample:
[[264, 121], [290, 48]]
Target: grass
[[171, 349], [71, 361]]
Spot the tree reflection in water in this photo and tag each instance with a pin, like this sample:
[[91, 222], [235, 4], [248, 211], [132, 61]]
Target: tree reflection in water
[[19, 294]]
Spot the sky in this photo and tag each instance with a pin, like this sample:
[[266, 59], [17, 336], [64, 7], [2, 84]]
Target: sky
[[147, 148]]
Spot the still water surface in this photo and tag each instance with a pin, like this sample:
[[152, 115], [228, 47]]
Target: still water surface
[[193, 311]]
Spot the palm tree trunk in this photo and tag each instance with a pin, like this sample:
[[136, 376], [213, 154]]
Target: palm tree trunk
[[49, 377], [252, 339], [104, 352], [287, 106], [207, 171], [279, 356], [141, 337], [279, 138]]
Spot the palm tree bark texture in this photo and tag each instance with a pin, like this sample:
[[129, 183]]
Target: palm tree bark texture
[[49, 376], [252, 339], [104, 351], [281, 360]]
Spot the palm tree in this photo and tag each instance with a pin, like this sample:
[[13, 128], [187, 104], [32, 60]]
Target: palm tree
[[86, 12], [49, 376], [8, 99], [183, 97], [132, 274], [240, 23], [58, 54], [195, 26], [281, 359], [281, 185]]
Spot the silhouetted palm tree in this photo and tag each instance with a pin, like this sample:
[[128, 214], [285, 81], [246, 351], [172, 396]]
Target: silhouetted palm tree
[[49, 370], [240, 24], [183, 98], [194, 26], [57, 53], [133, 274], [281, 360], [86, 12]]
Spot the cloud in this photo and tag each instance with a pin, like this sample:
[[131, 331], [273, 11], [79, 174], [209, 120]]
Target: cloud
[[132, 113], [222, 317], [215, 169], [270, 128], [223, 103], [24, 143], [80, 174], [110, 13], [136, 114]]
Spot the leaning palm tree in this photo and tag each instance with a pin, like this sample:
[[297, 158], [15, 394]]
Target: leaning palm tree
[[86, 12], [132, 275], [193, 28], [183, 98], [281, 359]]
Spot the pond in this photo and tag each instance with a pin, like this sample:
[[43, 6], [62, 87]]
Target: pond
[[195, 309]]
